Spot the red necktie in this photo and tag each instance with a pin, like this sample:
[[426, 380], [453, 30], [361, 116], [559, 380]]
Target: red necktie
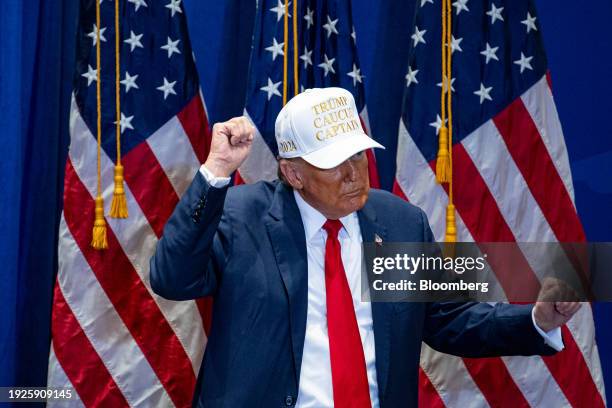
[[349, 378]]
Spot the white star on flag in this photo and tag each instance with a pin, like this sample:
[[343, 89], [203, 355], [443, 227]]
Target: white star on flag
[[167, 88], [94, 37], [524, 62], [129, 82], [309, 17], [484, 93], [328, 65], [490, 53], [91, 75], [530, 23], [417, 37], [174, 6], [125, 122], [134, 41], [271, 88], [455, 44], [280, 10], [138, 3], [424, 2], [355, 74], [330, 26], [411, 76], [306, 57], [461, 5], [171, 47], [354, 35], [445, 83], [495, 14], [276, 49], [438, 123]]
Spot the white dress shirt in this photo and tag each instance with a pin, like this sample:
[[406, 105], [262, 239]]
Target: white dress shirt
[[315, 388]]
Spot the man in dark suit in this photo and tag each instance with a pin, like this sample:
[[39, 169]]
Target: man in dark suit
[[283, 259]]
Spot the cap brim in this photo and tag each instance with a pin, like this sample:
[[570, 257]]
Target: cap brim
[[335, 153]]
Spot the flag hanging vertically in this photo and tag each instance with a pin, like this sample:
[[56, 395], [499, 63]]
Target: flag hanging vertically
[[511, 182], [113, 340], [322, 40]]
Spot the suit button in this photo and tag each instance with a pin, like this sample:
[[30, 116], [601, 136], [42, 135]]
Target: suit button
[[288, 400]]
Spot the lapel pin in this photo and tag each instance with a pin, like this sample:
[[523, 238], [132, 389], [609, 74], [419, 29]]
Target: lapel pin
[[378, 240]]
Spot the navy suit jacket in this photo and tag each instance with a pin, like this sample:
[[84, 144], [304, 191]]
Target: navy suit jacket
[[246, 247]]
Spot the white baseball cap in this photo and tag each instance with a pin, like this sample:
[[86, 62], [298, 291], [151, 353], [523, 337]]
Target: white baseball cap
[[321, 126]]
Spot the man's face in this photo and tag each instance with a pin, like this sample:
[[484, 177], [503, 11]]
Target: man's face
[[335, 192]]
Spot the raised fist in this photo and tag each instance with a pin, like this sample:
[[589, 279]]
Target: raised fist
[[230, 145]]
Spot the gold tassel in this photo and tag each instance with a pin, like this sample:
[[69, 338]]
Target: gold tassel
[[443, 169], [98, 240], [451, 228], [119, 203]]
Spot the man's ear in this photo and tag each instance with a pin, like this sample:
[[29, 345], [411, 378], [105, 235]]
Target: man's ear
[[291, 173]]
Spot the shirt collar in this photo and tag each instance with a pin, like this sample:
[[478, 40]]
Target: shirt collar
[[313, 220]]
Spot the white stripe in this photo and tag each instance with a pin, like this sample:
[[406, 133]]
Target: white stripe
[[104, 327], [260, 163], [418, 182], [366, 120], [541, 106], [451, 379], [174, 152], [136, 237], [582, 327], [57, 378]]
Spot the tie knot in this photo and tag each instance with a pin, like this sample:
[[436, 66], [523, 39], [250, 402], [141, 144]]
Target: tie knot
[[332, 227]]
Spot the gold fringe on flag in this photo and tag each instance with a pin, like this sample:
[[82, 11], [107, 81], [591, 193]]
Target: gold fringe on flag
[[98, 239], [119, 203]]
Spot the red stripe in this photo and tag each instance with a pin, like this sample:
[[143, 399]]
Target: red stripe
[[79, 360], [129, 296], [573, 375], [397, 190], [531, 156], [195, 123], [549, 80], [428, 395], [372, 170], [150, 186]]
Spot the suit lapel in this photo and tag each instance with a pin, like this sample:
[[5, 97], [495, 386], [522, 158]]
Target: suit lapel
[[286, 233], [381, 312]]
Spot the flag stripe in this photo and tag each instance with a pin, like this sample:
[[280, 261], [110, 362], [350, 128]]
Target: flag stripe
[[150, 186], [541, 106], [577, 383], [428, 395], [129, 296], [194, 120], [175, 154], [105, 329], [136, 237], [260, 164], [95, 384], [524, 142], [462, 391], [60, 380]]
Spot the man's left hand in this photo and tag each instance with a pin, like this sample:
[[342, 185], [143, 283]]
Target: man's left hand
[[550, 315]]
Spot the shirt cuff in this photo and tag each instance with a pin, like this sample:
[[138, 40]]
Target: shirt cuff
[[552, 338], [216, 182]]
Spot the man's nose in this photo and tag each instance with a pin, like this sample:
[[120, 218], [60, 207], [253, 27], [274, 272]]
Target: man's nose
[[350, 171]]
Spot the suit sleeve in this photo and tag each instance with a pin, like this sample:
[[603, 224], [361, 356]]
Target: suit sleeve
[[193, 249], [480, 329]]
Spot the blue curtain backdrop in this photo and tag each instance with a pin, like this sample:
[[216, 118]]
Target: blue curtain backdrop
[[36, 60]]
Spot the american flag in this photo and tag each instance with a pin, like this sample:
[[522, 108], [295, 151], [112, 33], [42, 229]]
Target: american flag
[[326, 53], [512, 183], [114, 341]]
